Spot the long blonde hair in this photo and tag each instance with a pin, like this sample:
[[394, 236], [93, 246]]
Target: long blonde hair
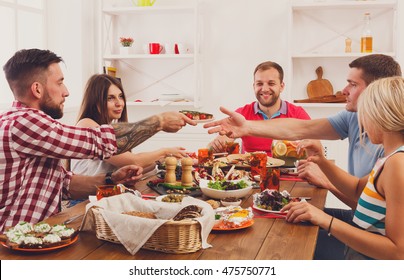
[[382, 105]]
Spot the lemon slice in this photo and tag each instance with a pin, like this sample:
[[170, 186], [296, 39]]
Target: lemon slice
[[280, 149]]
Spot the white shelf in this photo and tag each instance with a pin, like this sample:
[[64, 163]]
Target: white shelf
[[148, 56], [117, 11], [335, 55], [321, 105], [297, 5], [159, 103], [146, 76]]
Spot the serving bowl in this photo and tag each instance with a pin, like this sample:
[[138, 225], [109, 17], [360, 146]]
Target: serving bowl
[[219, 194], [230, 201]]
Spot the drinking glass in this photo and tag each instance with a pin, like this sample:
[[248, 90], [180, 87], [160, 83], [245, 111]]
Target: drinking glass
[[258, 163]]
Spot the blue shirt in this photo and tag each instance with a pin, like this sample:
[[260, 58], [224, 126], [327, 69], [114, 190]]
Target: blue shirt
[[361, 156]]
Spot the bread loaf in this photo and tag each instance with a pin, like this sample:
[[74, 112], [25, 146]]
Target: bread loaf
[[140, 214], [188, 212]]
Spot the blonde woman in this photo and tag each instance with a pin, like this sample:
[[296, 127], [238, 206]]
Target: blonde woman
[[378, 231], [104, 102]]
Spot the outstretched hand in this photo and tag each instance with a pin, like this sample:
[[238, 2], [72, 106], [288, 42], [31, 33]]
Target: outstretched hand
[[174, 121], [234, 126], [128, 174], [312, 147]]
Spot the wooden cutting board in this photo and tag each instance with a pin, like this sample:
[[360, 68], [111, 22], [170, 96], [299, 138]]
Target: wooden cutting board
[[320, 87], [323, 99]]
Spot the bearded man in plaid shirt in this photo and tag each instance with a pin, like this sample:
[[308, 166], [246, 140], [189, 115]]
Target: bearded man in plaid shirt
[[33, 142]]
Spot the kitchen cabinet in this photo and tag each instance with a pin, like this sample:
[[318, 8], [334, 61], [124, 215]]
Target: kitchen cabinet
[[154, 79], [318, 30]]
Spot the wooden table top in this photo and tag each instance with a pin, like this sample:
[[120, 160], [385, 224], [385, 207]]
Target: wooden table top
[[266, 239]]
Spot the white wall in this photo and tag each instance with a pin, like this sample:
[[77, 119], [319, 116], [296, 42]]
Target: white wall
[[71, 34]]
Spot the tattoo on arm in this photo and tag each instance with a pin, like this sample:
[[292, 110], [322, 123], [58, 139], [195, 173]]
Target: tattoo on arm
[[129, 135]]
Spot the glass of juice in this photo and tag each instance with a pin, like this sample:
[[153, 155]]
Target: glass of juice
[[270, 179], [258, 163], [205, 155], [232, 148]]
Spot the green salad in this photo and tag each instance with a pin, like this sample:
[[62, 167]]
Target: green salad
[[227, 185]]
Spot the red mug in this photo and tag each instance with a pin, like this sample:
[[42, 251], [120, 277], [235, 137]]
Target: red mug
[[155, 48]]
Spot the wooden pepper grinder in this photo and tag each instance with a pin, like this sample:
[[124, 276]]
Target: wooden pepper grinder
[[186, 177], [171, 164]]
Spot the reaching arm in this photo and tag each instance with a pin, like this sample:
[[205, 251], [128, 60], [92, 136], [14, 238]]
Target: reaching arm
[[219, 144], [82, 186], [236, 126], [130, 135], [346, 183], [313, 174], [147, 160]]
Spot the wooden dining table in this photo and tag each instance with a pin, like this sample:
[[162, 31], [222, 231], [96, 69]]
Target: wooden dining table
[[267, 238]]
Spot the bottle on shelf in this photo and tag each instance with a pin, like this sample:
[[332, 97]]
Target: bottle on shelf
[[366, 38], [348, 45]]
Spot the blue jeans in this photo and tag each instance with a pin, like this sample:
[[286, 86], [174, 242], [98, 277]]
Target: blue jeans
[[328, 247]]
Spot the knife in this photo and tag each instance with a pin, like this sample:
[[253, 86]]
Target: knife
[[68, 221]]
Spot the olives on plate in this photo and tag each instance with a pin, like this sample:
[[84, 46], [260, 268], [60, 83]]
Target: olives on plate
[[173, 198]]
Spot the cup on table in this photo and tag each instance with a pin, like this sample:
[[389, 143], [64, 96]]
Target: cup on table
[[155, 48], [258, 163], [270, 179], [205, 155]]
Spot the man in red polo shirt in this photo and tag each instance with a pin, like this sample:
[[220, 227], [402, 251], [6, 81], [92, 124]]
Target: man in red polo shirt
[[268, 86]]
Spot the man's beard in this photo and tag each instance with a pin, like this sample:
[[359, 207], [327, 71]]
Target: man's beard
[[270, 103], [49, 107]]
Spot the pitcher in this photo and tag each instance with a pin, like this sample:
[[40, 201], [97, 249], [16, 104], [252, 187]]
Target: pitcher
[[145, 2]]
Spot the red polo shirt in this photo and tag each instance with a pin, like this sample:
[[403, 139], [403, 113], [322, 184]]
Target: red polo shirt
[[252, 112]]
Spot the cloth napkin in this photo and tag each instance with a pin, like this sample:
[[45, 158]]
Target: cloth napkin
[[133, 232]]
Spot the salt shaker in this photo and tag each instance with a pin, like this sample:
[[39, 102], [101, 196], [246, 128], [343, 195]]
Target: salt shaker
[[186, 177], [171, 164]]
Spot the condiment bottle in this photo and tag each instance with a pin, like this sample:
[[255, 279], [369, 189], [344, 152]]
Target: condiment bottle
[[348, 44], [171, 164], [366, 38], [186, 177]]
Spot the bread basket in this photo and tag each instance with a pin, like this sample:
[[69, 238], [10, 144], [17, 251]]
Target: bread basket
[[174, 237]]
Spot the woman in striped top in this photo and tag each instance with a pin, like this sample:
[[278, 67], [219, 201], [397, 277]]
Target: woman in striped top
[[378, 230]]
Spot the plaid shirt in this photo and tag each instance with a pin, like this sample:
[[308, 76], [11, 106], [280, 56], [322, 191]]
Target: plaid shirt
[[32, 145]]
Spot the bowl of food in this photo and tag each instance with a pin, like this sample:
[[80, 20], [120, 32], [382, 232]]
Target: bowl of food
[[230, 201], [287, 151], [221, 189]]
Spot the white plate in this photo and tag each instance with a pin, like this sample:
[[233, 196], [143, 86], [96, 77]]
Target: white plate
[[271, 162], [171, 97], [204, 121], [269, 211]]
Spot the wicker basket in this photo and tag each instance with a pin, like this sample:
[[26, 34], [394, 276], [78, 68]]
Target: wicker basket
[[175, 237]]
